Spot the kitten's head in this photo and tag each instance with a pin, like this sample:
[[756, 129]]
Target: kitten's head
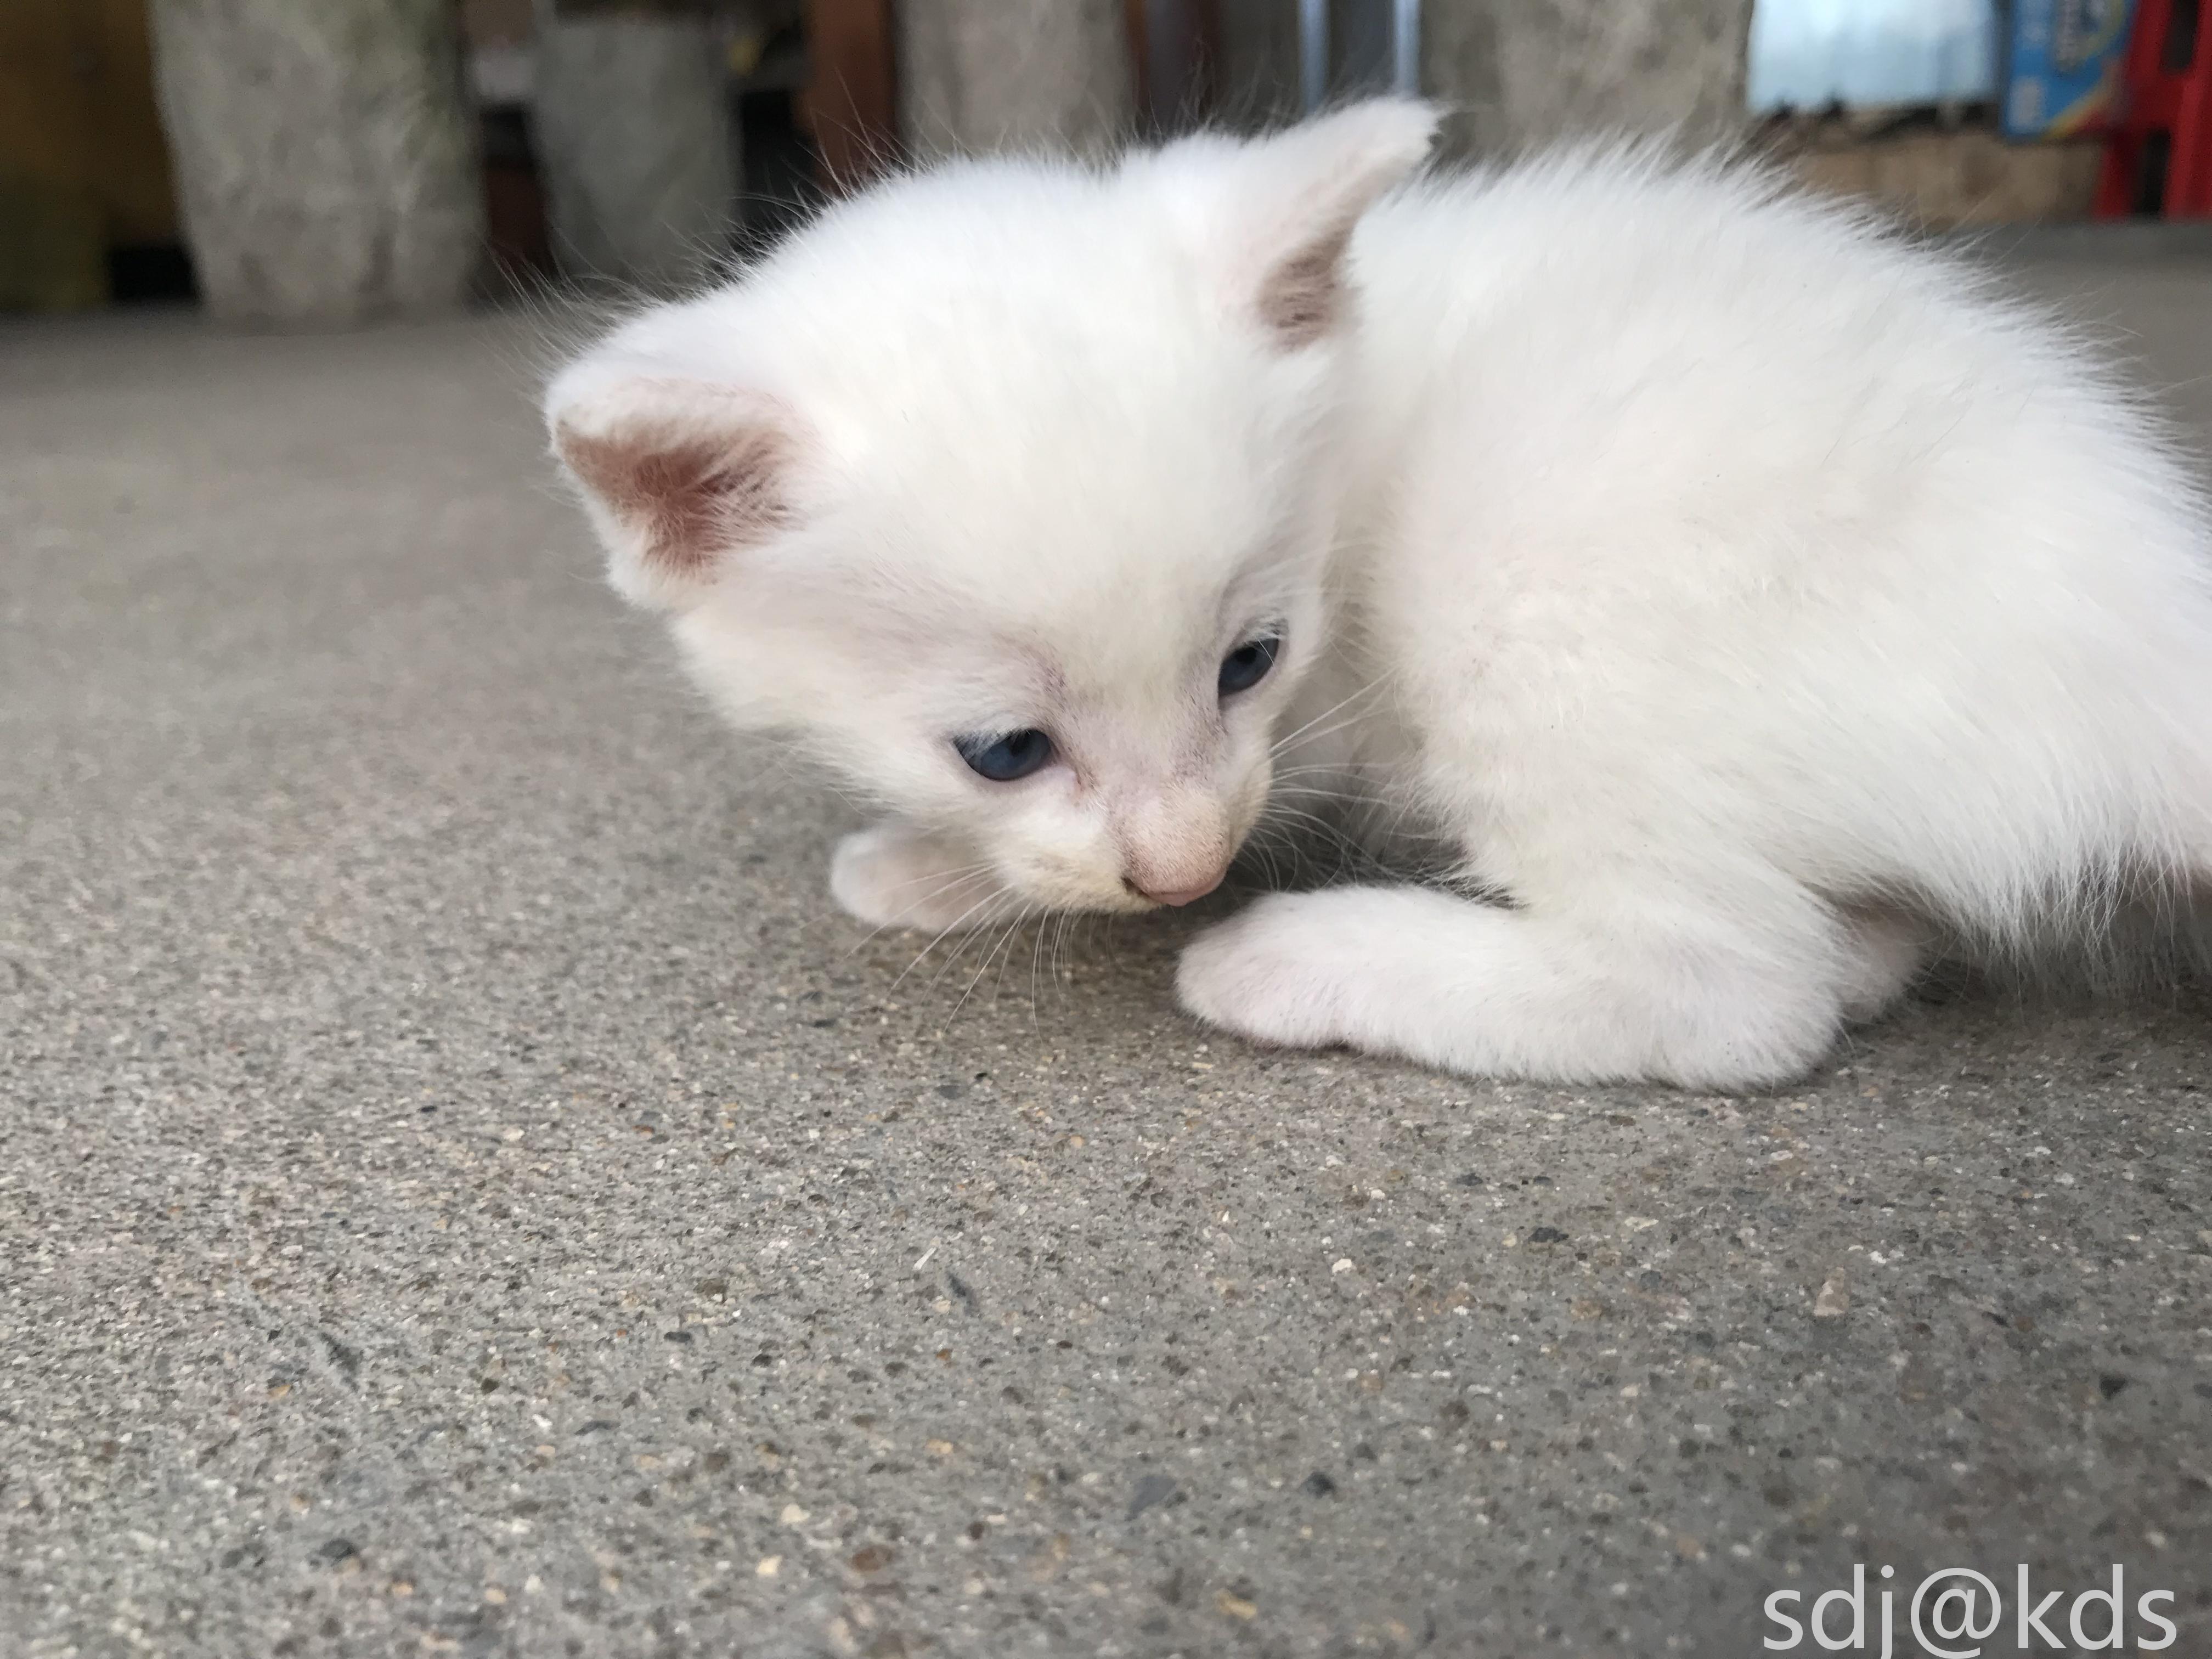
[[1005, 489]]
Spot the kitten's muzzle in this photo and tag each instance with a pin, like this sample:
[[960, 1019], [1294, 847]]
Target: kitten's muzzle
[[1175, 844], [1176, 895]]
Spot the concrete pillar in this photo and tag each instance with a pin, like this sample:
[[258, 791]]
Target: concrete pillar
[[326, 156], [639, 151], [1521, 72], [977, 75]]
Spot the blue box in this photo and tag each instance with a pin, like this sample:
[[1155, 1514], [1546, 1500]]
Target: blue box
[[2062, 64]]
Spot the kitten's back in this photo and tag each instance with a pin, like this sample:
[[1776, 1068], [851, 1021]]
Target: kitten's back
[[1774, 526]]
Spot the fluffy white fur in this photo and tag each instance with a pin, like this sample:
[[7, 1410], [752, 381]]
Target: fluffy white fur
[[1742, 598]]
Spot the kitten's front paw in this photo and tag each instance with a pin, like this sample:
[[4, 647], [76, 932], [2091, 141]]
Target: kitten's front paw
[[897, 875], [1275, 973]]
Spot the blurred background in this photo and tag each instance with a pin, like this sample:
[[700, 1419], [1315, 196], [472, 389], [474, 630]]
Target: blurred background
[[304, 164]]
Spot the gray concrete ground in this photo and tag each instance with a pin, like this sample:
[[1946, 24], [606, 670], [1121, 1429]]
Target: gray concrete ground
[[463, 1189]]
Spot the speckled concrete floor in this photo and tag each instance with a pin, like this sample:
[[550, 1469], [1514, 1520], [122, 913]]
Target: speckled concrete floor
[[462, 1190]]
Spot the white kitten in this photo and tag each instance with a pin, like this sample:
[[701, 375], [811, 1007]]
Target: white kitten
[[1746, 598]]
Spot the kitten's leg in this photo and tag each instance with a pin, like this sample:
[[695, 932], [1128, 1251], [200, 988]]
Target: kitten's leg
[[897, 875], [1885, 950], [1702, 994]]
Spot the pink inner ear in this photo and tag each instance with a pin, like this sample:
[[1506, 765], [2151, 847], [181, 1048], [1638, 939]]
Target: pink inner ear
[[690, 496], [1303, 295]]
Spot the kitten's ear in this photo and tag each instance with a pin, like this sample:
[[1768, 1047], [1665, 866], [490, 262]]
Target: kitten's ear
[[680, 474], [1277, 214]]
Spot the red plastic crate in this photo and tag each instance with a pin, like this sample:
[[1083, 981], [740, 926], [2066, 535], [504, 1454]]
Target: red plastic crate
[[2158, 151]]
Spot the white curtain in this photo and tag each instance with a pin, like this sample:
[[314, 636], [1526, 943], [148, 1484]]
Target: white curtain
[[1807, 54]]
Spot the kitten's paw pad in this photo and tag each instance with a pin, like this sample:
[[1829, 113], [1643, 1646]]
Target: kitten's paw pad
[[893, 876], [1275, 973]]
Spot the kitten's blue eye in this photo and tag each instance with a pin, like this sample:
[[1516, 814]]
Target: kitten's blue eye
[[1003, 759], [1247, 664]]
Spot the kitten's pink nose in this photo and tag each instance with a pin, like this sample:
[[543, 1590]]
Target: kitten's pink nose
[[1182, 895]]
